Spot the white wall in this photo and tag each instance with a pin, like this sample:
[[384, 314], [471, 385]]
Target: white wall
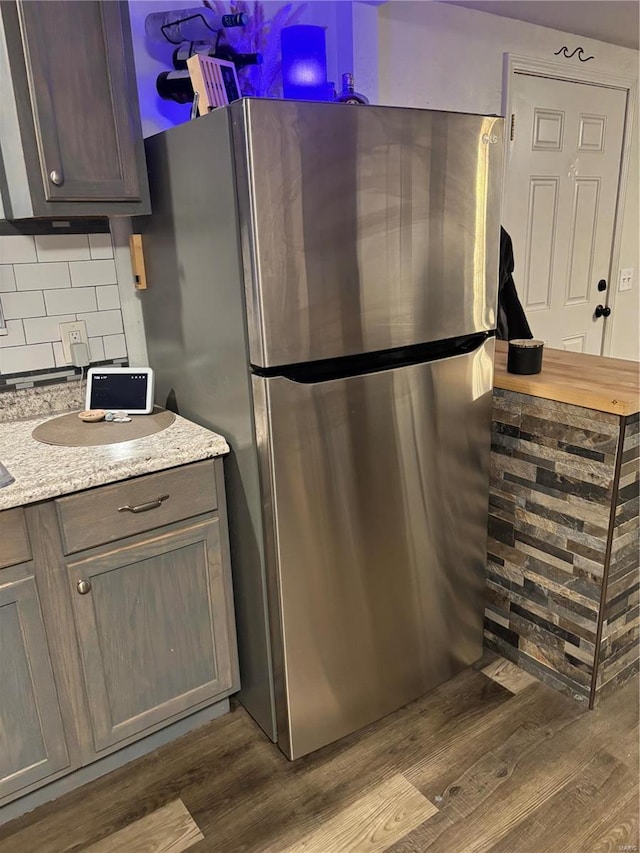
[[428, 54]]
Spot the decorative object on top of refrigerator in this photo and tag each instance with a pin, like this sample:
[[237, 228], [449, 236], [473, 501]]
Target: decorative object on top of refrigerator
[[348, 95], [199, 24]]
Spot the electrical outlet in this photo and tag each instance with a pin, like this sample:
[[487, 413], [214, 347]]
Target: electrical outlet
[[626, 280], [72, 333]]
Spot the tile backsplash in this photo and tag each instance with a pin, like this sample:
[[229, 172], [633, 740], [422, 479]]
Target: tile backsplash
[[52, 279]]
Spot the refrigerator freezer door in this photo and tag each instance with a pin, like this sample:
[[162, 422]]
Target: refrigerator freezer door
[[364, 229], [377, 492]]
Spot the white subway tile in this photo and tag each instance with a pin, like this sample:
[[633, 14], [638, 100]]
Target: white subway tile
[[21, 359], [62, 247], [96, 347], [100, 246], [58, 354], [42, 276], [115, 346], [92, 273], [102, 323], [108, 297], [14, 336], [17, 249], [16, 306], [70, 300], [7, 278], [43, 329]]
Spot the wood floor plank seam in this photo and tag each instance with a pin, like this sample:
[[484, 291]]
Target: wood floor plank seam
[[509, 675], [524, 798], [466, 836], [472, 766], [169, 829], [619, 831], [554, 822], [372, 823], [484, 778], [527, 706], [337, 775]]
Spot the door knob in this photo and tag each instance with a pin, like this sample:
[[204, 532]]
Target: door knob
[[83, 587], [602, 311], [56, 177], [602, 285]]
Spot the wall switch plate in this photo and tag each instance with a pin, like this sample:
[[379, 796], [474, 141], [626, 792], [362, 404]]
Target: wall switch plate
[[73, 333], [626, 280]]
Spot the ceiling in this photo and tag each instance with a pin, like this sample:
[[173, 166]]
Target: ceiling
[[612, 21]]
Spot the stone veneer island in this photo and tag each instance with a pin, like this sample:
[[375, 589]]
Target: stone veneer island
[[562, 573]]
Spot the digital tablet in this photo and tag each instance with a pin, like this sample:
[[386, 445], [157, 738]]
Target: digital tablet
[[126, 389]]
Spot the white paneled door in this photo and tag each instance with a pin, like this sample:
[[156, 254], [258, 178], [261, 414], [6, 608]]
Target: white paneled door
[[560, 201]]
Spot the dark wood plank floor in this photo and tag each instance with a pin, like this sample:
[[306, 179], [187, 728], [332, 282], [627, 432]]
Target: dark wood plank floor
[[492, 760]]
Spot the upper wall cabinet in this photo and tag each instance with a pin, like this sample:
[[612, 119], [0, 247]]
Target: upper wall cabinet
[[70, 133]]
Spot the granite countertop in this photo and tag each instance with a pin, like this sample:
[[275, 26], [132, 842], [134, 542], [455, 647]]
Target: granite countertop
[[44, 471], [591, 381]]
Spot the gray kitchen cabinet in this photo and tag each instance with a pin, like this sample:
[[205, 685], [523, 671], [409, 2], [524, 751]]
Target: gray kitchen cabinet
[[154, 629], [70, 131], [109, 634], [32, 739]]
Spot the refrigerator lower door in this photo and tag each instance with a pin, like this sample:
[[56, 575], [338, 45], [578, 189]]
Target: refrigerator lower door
[[376, 495]]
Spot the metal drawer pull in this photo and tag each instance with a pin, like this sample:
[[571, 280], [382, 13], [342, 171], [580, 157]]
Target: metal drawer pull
[[84, 587], [144, 507]]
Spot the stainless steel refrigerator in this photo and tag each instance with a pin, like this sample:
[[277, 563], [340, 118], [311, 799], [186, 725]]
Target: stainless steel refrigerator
[[322, 291]]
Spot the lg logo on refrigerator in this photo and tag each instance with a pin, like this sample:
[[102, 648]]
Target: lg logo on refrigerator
[[489, 140]]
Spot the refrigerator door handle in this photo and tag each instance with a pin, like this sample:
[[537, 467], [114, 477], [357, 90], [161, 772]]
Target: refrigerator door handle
[[361, 365]]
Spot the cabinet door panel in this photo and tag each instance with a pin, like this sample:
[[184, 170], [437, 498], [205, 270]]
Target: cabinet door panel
[[153, 630], [78, 85], [32, 742], [13, 536]]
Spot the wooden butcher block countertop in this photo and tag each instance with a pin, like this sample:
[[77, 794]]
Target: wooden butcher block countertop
[[592, 381]]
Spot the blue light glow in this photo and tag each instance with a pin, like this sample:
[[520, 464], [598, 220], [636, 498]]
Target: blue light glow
[[304, 63], [307, 73]]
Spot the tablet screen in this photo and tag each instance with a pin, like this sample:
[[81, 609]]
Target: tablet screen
[[126, 391]]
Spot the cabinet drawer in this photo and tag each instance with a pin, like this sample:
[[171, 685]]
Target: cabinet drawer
[[108, 513], [14, 542]]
